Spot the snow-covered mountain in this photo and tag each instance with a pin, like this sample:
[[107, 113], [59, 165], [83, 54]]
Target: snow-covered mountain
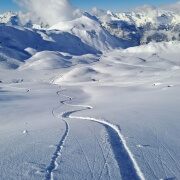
[[141, 27], [77, 102], [9, 18], [18, 44], [21, 41], [137, 27], [89, 30]]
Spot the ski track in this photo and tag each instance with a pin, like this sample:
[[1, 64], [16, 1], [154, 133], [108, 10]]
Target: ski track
[[128, 166], [103, 154], [53, 163], [157, 156], [141, 148], [165, 146], [105, 166], [86, 158]]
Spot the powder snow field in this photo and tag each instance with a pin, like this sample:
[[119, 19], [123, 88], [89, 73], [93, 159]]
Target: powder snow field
[[86, 109]]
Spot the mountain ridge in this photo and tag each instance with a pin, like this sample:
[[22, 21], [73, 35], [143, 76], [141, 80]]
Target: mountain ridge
[[143, 27], [137, 27]]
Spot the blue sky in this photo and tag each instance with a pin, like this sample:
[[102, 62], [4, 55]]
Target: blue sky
[[7, 5], [117, 5], [114, 5]]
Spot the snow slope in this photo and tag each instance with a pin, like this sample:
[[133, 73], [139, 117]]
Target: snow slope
[[15, 49], [91, 32], [75, 105], [137, 91], [83, 35]]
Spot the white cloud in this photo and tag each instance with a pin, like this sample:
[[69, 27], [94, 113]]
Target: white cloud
[[145, 8], [102, 14], [50, 11], [175, 7], [151, 11]]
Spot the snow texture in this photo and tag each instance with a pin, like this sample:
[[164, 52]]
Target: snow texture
[[79, 103]]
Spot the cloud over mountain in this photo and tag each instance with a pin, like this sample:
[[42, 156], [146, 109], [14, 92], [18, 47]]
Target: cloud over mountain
[[50, 11], [175, 7]]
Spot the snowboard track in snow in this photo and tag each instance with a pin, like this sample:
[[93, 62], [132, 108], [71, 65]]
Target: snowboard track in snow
[[127, 164], [54, 164]]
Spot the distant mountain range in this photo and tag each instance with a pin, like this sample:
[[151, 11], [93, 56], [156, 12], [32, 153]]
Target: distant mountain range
[[144, 27], [136, 27]]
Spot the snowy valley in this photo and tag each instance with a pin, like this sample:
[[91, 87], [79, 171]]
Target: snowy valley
[[93, 97]]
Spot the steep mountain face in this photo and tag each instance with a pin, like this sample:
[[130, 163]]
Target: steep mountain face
[[89, 30], [89, 33], [18, 44], [20, 41], [9, 18], [142, 27]]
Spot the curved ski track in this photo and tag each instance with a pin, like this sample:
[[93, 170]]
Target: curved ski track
[[127, 164], [53, 163]]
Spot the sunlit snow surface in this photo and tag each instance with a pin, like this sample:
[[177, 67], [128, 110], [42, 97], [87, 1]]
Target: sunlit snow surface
[[71, 114]]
